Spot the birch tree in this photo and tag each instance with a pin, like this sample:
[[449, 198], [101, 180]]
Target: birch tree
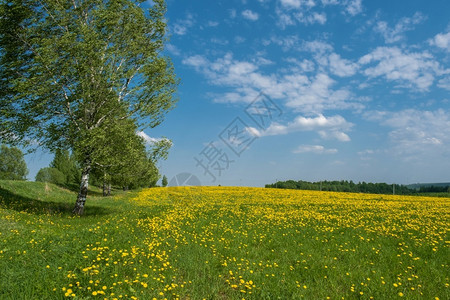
[[73, 68], [123, 161]]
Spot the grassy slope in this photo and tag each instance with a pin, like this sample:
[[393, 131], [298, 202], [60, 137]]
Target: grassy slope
[[216, 251], [40, 240]]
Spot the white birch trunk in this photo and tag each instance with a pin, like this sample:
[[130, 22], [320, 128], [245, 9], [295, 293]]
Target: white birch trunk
[[81, 199]]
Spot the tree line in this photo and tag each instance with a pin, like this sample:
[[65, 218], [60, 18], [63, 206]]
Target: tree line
[[64, 170], [351, 187]]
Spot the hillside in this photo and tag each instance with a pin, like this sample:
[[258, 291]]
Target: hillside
[[221, 243], [46, 198]]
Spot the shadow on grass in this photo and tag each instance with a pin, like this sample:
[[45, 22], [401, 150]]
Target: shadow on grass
[[10, 200], [76, 188]]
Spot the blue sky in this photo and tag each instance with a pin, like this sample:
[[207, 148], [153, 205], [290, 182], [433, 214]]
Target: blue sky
[[353, 90]]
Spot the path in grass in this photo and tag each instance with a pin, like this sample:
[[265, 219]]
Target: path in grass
[[230, 243]]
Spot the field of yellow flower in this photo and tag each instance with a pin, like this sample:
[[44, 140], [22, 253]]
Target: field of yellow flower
[[231, 243]]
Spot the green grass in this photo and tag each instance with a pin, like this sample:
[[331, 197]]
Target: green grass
[[193, 246], [37, 230]]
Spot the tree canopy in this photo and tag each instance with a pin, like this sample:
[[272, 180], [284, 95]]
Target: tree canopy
[[67, 165], [73, 70], [164, 181], [12, 164], [51, 175]]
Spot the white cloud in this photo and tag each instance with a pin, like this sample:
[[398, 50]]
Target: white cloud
[[250, 15], [180, 29], [441, 40], [173, 49], [324, 55], [320, 18], [262, 61], [305, 11], [243, 76], [334, 134], [213, 24], [342, 67], [181, 26], [317, 46], [316, 149], [315, 94], [353, 7], [150, 140], [285, 20], [330, 2], [444, 83], [291, 3], [219, 41], [241, 68], [292, 11], [311, 95], [253, 131], [329, 128], [396, 33], [286, 43], [297, 3], [416, 69], [196, 61], [239, 39], [304, 65], [240, 95], [415, 132]]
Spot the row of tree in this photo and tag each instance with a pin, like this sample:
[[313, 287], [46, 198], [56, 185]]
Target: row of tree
[[433, 189], [64, 170], [86, 76], [343, 186], [139, 171]]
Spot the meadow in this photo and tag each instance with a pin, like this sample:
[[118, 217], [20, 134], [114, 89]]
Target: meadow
[[222, 243]]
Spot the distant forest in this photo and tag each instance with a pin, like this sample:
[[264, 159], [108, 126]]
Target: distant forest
[[360, 187]]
